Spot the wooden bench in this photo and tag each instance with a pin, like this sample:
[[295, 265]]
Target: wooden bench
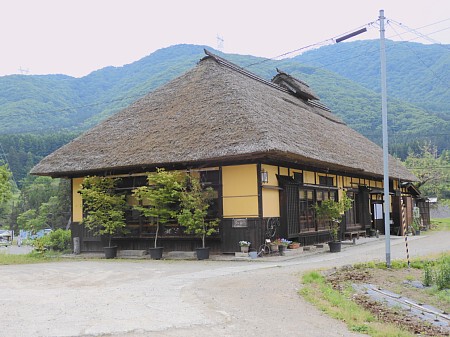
[[353, 235]]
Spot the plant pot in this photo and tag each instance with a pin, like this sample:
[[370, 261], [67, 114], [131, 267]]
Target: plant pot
[[156, 253], [202, 253], [335, 246], [417, 232], [274, 248], [281, 249], [294, 245], [244, 249], [110, 252]]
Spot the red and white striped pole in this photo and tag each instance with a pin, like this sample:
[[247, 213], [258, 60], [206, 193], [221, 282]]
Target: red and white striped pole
[[404, 229]]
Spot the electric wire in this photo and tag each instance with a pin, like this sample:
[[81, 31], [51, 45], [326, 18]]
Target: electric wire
[[322, 43], [445, 83]]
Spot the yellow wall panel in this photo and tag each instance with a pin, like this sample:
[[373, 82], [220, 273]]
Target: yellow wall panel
[[240, 207], [77, 203], [271, 203], [239, 180], [240, 191], [309, 177], [272, 174], [284, 171]]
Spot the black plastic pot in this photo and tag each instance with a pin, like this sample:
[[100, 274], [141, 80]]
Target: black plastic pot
[[281, 249], [156, 253], [202, 253], [335, 246], [110, 252]]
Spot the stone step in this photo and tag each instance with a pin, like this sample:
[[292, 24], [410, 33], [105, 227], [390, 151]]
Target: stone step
[[132, 253]]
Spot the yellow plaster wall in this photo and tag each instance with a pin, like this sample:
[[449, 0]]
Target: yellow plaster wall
[[272, 172], [270, 197], [240, 191], [271, 203], [308, 177], [77, 203], [284, 171]]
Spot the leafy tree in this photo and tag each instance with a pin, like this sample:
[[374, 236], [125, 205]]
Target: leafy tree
[[433, 171], [195, 202], [31, 221], [104, 209], [48, 198], [5, 184], [159, 199]]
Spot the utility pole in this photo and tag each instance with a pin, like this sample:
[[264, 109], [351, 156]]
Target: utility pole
[[387, 199]]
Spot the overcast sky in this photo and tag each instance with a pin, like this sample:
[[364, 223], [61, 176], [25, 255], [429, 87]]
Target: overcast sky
[[76, 37]]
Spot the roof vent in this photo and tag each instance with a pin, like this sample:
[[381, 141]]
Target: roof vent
[[296, 87]]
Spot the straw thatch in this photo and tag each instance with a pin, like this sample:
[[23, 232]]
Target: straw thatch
[[215, 112]]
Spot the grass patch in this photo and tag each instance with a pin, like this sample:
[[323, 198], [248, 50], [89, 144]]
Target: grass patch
[[335, 296], [339, 306], [440, 224], [30, 258]]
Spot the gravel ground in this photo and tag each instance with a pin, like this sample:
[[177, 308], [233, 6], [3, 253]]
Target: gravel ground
[[137, 298]]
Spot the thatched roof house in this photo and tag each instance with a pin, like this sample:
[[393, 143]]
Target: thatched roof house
[[214, 112], [269, 149]]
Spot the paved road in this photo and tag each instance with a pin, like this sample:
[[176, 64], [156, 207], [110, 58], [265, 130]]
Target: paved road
[[179, 298]]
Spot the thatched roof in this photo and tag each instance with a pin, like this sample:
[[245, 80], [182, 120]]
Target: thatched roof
[[215, 112]]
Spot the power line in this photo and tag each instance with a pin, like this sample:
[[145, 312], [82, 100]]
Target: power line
[[322, 43], [418, 57]]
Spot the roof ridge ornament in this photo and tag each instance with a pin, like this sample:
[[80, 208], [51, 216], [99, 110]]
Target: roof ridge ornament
[[296, 87]]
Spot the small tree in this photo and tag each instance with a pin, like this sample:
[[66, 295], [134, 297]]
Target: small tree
[[332, 211], [195, 202], [5, 184], [162, 196], [104, 209]]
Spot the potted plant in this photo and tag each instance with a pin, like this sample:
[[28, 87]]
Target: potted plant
[[194, 204], [294, 245], [282, 245], [245, 245], [158, 200], [104, 209], [331, 212]]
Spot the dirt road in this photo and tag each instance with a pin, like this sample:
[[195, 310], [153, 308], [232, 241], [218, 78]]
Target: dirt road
[[179, 298]]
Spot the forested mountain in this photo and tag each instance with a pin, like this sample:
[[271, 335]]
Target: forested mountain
[[55, 108]]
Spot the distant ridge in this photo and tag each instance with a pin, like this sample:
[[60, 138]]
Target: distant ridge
[[345, 77]]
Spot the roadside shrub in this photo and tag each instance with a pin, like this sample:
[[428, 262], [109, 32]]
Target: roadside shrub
[[443, 274], [427, 275], [437, 273], [58, 240], [40, 244]]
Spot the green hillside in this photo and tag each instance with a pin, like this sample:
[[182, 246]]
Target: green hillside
[[55, 108], [416, 73]]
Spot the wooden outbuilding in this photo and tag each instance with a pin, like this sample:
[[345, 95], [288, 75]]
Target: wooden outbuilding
[[270, 149]]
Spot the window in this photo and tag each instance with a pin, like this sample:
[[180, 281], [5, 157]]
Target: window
[[321, 195], [306, 201], [298, 177], [352, 215], [326, 181]]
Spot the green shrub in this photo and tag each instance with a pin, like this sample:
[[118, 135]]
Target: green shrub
[[427, 275], [443, 274], [58, 240]]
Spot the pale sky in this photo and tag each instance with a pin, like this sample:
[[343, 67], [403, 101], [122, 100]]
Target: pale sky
[[76, 37]]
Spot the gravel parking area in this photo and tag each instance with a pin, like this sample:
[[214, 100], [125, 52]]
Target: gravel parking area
[[136, 298]]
